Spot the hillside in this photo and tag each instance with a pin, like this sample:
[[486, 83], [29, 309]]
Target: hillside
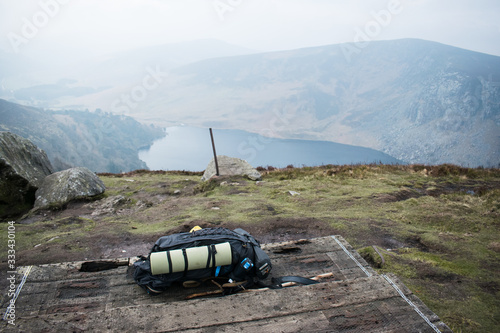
[[415, 100], [419, 101], [435, 227], [99, 141]]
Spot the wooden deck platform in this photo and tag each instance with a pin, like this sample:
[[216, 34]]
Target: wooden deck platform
[[63, 298]]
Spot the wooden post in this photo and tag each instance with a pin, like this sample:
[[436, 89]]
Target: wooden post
[[215, 154]]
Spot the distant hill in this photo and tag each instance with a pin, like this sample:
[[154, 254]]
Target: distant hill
[[419, 101], [99, 141], [40, 82]]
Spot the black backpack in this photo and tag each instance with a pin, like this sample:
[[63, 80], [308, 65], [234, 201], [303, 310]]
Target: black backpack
[[207, 253]]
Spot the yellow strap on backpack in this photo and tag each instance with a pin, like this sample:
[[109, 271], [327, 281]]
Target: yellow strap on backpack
[[195, 228]]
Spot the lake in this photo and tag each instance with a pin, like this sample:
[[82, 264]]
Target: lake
[[189, 148]]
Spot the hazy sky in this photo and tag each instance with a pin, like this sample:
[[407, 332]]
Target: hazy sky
[[92, 27]]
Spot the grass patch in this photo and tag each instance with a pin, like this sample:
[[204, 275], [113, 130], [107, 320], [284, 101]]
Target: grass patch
[[437, 227]]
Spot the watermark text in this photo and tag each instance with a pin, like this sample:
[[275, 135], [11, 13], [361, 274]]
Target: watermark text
[[128, 101], [30, 27], [223, 7], [10, 313], [372, 29]]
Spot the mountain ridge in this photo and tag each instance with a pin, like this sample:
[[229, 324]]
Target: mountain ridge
[[390, 92], [419, 101]]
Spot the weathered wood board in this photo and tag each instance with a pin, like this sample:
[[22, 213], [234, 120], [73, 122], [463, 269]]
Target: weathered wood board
[[61, 298]]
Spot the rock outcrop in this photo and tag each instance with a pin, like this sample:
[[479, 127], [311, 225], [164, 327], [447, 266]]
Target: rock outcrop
[[23, 167], [64, 186], [230, 166]]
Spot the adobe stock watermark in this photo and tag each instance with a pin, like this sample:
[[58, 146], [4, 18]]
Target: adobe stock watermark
[[371, 29], [121, 106], [10, 313], [30, 27], [255, 143], [129, 101], [223, 7]]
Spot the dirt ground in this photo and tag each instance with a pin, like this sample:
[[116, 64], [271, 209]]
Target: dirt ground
[[109, 242], [123, 244]]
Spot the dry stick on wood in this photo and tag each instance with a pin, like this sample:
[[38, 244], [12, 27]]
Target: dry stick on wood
[[287, 284], [207, 293]]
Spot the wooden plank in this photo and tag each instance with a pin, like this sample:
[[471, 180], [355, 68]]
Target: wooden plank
[[345, 304], [62, 298]]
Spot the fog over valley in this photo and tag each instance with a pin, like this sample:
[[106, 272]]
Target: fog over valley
[[370, 74]]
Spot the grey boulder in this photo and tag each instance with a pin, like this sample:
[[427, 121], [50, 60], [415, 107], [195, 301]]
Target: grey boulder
[[23, 167], [64, 186], [230, 166]]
